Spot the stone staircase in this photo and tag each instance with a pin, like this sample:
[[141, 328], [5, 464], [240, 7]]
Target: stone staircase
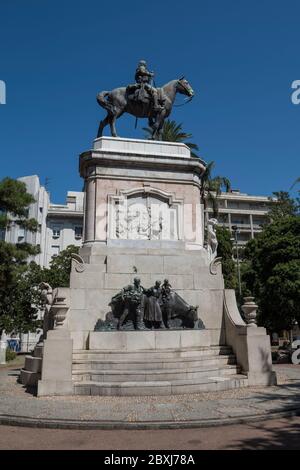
[[167, 372], [31, 372]]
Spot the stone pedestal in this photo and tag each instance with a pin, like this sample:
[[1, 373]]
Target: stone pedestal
[[143, 218], [57, 364], [142, 190], [148, 340], [251, 345]]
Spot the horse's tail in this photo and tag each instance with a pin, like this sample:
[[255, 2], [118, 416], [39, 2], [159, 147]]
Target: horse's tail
[[105, 102]]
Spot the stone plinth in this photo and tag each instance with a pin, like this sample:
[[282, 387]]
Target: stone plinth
[[148, 340], [123, 175], [143, 218]]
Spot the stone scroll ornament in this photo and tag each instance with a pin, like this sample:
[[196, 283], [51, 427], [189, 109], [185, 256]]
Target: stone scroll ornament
[[159, 307], [78, 263]]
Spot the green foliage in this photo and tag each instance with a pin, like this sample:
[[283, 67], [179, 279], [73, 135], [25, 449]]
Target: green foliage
[[284, 206], [10, 355], [17, 294], [225, 251], [173, 132], [60, 267], [20, 297], [273, 273], [14, 204], [16, 310]]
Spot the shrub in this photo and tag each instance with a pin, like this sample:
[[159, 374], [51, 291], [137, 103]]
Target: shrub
[[10, 355]]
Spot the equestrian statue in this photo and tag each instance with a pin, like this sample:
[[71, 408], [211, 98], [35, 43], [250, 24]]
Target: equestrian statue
[[142, 100]]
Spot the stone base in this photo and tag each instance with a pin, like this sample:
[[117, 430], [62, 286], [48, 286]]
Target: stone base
[[148, 340], [29, 378], [57, 364], [55, 388], [262, 378]]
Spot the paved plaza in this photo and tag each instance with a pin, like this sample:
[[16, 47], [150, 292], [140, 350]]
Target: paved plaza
[[19, 407]]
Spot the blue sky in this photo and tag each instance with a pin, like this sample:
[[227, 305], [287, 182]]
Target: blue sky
[[239, 56]]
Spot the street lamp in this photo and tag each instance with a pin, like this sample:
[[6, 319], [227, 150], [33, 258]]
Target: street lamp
[[235, 234]]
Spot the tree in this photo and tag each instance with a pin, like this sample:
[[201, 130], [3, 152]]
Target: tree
[[273, 274], [14, 205], [283, 205], [16, 311], [23, 298], [211, 188], [60, 267], [225, 251], [173, 132]]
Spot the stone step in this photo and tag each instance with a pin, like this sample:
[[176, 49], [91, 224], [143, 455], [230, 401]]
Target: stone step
[[38, 351], [176, 387], [151, 354], [29, 378], [33, 364], [158, 363], [153, 375]]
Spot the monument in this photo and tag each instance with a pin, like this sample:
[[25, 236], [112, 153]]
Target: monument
[[146, 312]]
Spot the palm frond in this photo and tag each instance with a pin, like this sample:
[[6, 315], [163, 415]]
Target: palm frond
[[295, 182]]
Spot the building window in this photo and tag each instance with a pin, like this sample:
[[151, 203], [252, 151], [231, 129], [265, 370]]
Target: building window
[[21, 235], [78, 233], [55, 232], [55, 250]]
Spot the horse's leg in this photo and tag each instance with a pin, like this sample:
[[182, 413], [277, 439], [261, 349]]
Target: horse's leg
[[102, 125], [154, 127], [160, 131], [112, 124], [157, 126]]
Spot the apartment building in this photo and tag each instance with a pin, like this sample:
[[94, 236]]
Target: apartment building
[[60, 225], [248, 213]]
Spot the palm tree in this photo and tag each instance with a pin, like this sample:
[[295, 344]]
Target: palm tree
[[211, 188], [173, 132], [295, 182]]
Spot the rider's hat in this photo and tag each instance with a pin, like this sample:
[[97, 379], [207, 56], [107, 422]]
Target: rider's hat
[[142, 62]]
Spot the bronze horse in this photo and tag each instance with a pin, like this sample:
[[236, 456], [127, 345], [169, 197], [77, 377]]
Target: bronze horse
[[117, 102]]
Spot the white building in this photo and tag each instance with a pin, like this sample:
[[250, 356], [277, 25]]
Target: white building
[[64, 225], [38, 211], [248, 213], [60, 225]]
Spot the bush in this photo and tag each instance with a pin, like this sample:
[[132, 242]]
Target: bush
[[10, 355]]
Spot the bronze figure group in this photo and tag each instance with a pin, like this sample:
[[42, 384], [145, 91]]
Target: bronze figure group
[[159, 307]]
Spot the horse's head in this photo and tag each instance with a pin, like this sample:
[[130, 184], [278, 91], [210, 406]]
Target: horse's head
[[184, 87]]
